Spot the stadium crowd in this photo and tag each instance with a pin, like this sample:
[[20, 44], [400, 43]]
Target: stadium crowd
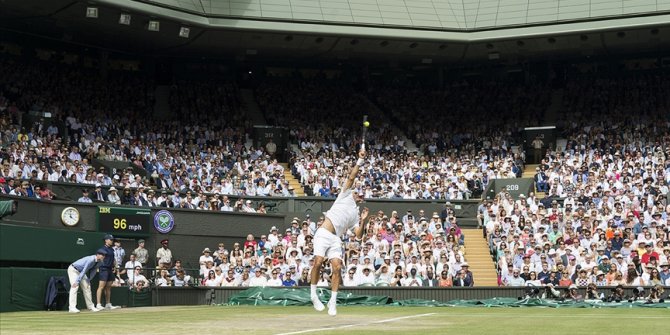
[[184, 154], [604, 222], [181, 154], [452, 166], [606, 218]]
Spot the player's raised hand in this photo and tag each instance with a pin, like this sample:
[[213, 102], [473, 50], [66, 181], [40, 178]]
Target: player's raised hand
[[364, 213]]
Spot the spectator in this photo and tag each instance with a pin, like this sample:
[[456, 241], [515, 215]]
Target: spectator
[[275, 280], [259, 279], [164, 279], [304, 277], [129, 267], [515, 279], [288, 280], [113, 197], [164, 255], [139, 281], [98, 194], [204, 259], [461, 279], [352, 278], [119, 254], [212, 279], [181, 279], [141, 254], [428, 281]]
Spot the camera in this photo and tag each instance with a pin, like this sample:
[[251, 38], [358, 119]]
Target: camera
[[531, 293]]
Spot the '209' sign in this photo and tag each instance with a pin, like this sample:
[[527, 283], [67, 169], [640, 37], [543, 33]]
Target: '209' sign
[[512, 187]]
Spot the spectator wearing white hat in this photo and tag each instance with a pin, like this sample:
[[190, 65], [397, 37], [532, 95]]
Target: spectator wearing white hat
[[273, 237], [665, 271], [248, 207], [204, 258], [113, 196]]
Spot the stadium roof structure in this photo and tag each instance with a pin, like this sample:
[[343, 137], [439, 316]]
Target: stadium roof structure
[[435, 31], [463, 15]]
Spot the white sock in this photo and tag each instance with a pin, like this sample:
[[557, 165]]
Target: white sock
[[333, 297], [312, 291]]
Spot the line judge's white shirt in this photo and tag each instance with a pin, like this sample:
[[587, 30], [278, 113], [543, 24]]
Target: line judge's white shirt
[[344, 213]]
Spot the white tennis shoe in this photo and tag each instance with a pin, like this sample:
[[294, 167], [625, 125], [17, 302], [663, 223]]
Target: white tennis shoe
[[332, 308], [109, 306], [318, 305]]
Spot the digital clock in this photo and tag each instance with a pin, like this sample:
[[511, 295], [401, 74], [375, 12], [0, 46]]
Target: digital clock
[[119, 220]]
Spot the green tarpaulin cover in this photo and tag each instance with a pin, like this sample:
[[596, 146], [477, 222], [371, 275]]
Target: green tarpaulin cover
[[300, 297]]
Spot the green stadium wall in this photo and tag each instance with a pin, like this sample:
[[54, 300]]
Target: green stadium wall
[[24, 289]]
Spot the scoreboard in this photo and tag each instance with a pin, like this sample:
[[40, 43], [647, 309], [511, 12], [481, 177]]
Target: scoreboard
[[123, 221]]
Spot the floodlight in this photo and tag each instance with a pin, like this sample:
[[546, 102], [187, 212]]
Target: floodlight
[[184, 32], [92, 12], [124, 19], [154, 25]]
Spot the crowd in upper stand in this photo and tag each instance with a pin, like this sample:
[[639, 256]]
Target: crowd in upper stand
[[462, 143], [453, 162], [197, 150], [465, 116], [200, 151]]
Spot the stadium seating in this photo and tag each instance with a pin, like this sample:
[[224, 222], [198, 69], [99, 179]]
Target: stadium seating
[[610, 179]]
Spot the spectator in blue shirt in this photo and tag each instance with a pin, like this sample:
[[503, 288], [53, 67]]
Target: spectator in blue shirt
[[288, 281], [80, 274], [84, 197]]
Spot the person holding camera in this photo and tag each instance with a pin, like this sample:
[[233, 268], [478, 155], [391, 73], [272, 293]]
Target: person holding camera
[[656, 295], [551, 293], [617, 295], [638, 294], [397, 278], [572, 293], [592, 293]]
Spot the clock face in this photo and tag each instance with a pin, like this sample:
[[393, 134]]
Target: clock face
[[70, 216]]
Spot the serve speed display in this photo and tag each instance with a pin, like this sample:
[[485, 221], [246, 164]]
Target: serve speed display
[[118, 220]]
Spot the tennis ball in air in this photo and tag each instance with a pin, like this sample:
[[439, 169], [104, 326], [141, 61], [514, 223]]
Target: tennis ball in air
[[366, 124]]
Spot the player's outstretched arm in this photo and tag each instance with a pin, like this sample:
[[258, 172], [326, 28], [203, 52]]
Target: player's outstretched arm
[[354, 170]]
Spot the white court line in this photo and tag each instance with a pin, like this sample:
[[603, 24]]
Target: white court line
[[358, 324], [551, 316]]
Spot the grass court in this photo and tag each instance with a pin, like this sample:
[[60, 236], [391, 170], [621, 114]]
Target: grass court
[[350, 320]]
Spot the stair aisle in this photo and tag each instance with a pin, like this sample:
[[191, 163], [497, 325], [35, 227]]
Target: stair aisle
[[292, 181], [477, 255], [529, 172]]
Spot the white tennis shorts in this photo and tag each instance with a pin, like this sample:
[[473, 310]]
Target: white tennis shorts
[[327, 244]]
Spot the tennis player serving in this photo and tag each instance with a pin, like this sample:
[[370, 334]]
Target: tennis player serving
[[342, 216]]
